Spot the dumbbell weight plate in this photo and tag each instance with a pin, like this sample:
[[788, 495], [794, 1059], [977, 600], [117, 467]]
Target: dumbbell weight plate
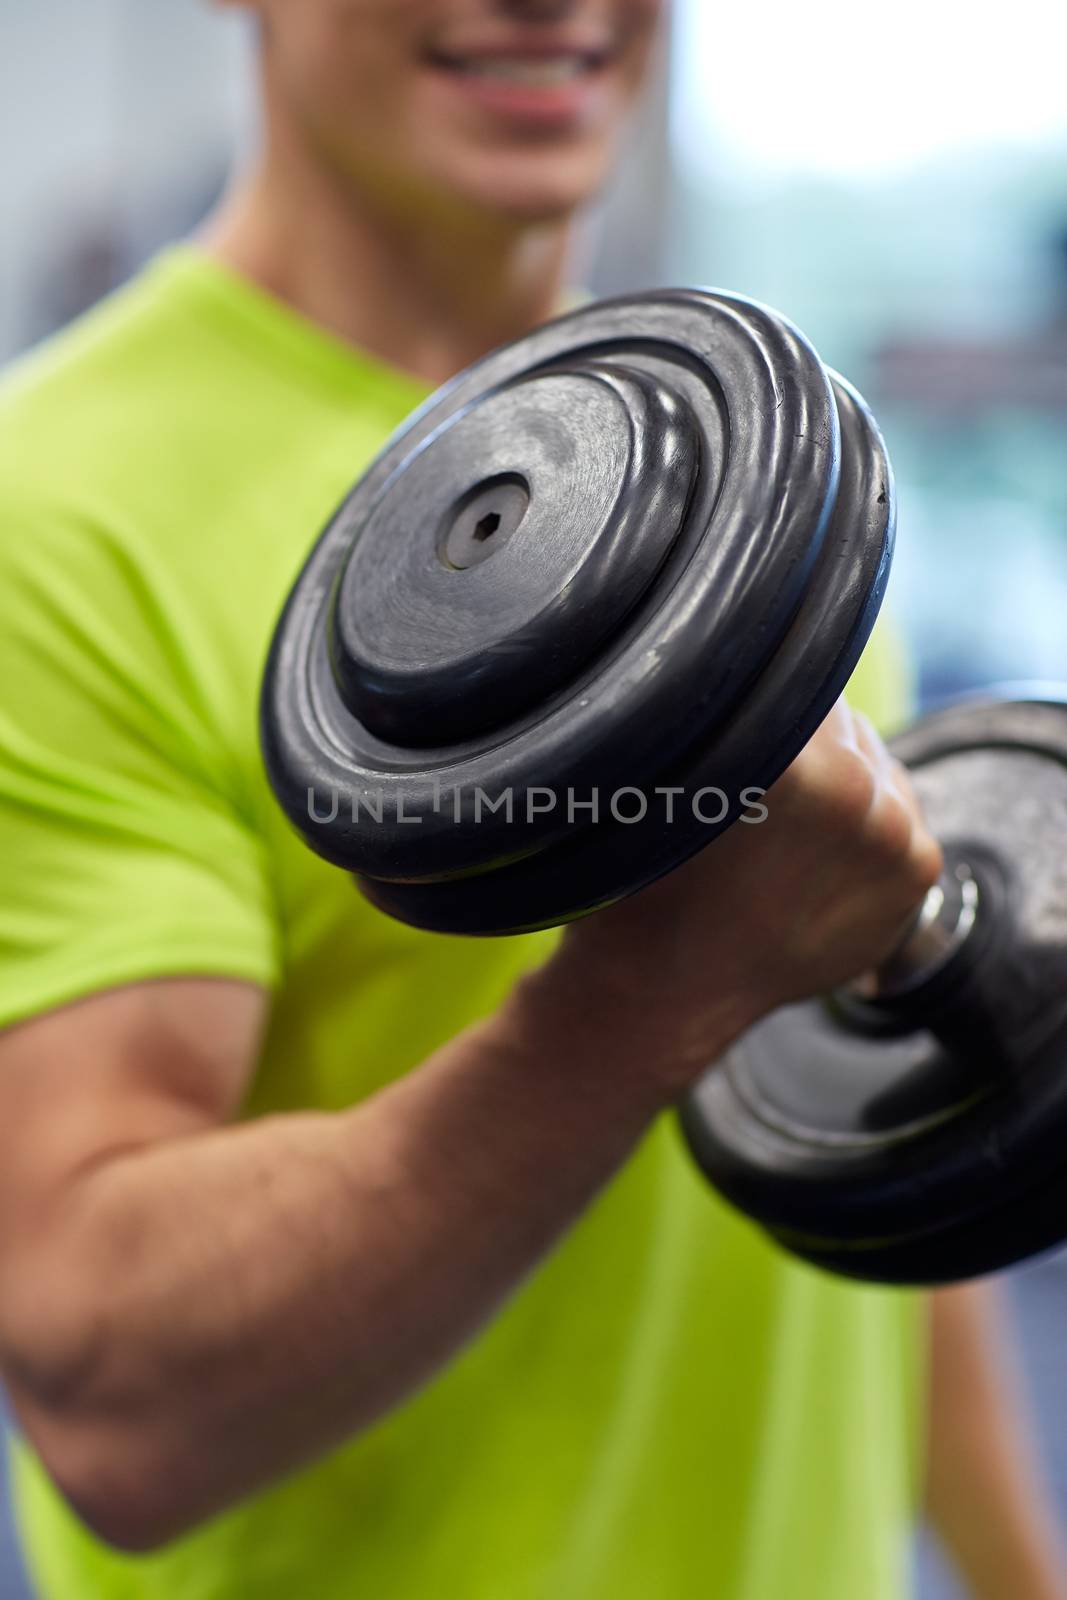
[[902, 1157], [642, 547]]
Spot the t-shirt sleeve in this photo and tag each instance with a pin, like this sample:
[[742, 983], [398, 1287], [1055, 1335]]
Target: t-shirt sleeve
[[883, 684], [126, 849]]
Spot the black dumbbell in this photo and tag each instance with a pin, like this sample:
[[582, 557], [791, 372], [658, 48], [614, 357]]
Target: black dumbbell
[[910, 1128], [642, 547], [580, 612]]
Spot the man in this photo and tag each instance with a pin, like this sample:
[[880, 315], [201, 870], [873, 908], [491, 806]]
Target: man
[[337, 1259]]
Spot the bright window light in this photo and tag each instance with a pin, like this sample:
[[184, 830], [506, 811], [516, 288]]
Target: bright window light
[[842, 87]]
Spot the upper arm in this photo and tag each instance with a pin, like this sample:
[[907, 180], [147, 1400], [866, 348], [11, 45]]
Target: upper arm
[[130, 844], [139, 932], [115, 1072], [89, 1083]]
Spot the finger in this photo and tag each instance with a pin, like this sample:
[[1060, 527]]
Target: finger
[[872, 745]]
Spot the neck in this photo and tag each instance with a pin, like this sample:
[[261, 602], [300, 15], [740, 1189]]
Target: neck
[[429, 291]]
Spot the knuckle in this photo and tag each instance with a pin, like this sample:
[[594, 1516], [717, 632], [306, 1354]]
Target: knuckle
[[893, 826], [900, 778], [927, 859], [849, 789], [867, 737]]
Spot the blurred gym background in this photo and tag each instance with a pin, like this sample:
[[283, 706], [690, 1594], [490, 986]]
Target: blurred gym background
[[896, 185]]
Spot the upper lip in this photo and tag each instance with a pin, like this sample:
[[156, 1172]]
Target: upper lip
[[542, 46]]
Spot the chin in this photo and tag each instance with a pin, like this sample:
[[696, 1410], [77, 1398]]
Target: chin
[[531, 191], [534, 209]]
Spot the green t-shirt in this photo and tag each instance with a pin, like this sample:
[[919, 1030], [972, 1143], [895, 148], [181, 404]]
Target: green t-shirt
[[669, 1407]]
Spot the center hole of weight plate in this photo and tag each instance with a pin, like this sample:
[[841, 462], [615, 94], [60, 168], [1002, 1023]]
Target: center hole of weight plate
[[483, 520]]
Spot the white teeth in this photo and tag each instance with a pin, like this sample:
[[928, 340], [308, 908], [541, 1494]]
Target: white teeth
[[543, 74]]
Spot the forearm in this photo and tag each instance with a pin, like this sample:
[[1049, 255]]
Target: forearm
[[984, 1495], [221, 1308]]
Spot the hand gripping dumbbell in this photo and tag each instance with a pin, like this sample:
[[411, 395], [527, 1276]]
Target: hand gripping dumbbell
[[585, 607]]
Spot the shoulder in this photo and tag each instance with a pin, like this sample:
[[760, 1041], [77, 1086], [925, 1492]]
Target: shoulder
[[59, 400], [76, 415], [94, 575]]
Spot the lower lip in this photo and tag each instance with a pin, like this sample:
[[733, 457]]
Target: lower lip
[[557, 105]]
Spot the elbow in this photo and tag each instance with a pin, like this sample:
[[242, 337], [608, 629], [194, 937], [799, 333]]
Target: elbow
[[126, 1501], [131, 1528], [101, 1439], [120, 1519], [127, 1493]]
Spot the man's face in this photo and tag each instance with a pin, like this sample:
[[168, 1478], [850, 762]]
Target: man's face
[[512, 107]]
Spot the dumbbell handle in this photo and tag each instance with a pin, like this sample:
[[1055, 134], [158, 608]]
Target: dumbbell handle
[[942, 924], [942, 975]]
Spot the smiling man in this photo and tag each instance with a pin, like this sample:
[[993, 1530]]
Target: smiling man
[[338, 1259]]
